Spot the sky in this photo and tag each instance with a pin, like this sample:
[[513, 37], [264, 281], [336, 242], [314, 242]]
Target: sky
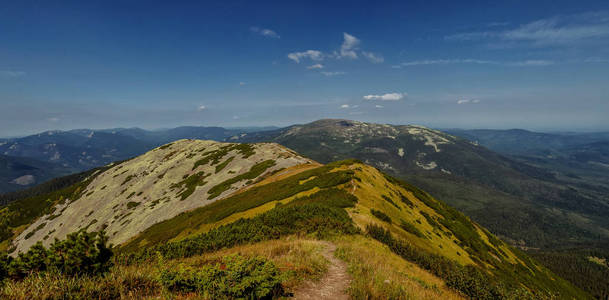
[[538, 65]]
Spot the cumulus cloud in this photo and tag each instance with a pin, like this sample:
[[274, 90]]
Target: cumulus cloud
[[349, 46], [201, 108], [315, 66], [311, 54], [375, 58], [344, 106], [264, 32], [466, 101], [335, 73], [349, 49], [386, 97]]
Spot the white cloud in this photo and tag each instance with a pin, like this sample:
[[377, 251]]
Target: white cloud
[[242, 83], [315, 66], [311, 54], [54, 119], [560, 30], [350, 44], [201, 108], [336, 73], [264, 32], [349, 49], [375, 58], [533, 63], [596, 60], [11, 74], [378, 106], [386, 97], [344, 106], [524, 63], [466, 101]]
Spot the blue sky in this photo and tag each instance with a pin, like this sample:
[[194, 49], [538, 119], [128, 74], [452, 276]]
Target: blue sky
[[100, 64]]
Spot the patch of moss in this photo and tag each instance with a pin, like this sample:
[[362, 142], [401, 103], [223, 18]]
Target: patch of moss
[[128, 179], [223, 165], [132, 204], [254, 172]]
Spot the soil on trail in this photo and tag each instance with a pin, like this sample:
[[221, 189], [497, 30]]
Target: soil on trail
[[333, 285]]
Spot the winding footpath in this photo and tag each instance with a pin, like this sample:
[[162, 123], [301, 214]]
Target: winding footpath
[[333, 285]]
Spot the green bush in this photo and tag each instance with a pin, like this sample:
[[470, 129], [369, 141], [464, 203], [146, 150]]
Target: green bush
[[468, 280], [408, 227], [80, 253], [380, 215], [233, 278], [312, 218]]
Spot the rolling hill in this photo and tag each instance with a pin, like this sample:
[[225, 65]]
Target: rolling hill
[[224, 220]]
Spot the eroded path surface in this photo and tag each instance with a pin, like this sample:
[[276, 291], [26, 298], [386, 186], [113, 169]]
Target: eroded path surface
[[333, 285]]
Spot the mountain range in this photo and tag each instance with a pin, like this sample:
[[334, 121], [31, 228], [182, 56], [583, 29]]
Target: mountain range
[[175, 207], [544, 193]]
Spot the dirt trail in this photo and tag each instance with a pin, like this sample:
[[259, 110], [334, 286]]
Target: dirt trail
[[334, 283]]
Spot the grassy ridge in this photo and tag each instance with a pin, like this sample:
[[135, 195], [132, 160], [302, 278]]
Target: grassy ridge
[[254, 197]]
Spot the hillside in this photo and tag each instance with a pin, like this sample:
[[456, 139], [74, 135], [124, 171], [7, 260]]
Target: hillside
[[131, 196], [194, 202], [529, 205]]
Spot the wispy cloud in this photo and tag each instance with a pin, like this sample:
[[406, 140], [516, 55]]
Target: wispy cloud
[[265, 32], [467, 101], [596, 60], [375, 58], [201, 108], [344, 106], [524, 63], [335, 73], [311, 54], [386, 97], [11, 74], [315, 66], [559, 30]]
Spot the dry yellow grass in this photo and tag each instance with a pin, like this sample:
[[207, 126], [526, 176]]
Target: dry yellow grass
[[378, 273], [369, 192], [298, 259]]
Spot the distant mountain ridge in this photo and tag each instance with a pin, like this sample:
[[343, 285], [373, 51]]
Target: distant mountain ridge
[[83, 149], [528, 204]]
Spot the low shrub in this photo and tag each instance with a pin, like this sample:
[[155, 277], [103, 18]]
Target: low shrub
[[380, 215], [311, 218], [233, 278], [80, 253], [408, 227], [468, 280]]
